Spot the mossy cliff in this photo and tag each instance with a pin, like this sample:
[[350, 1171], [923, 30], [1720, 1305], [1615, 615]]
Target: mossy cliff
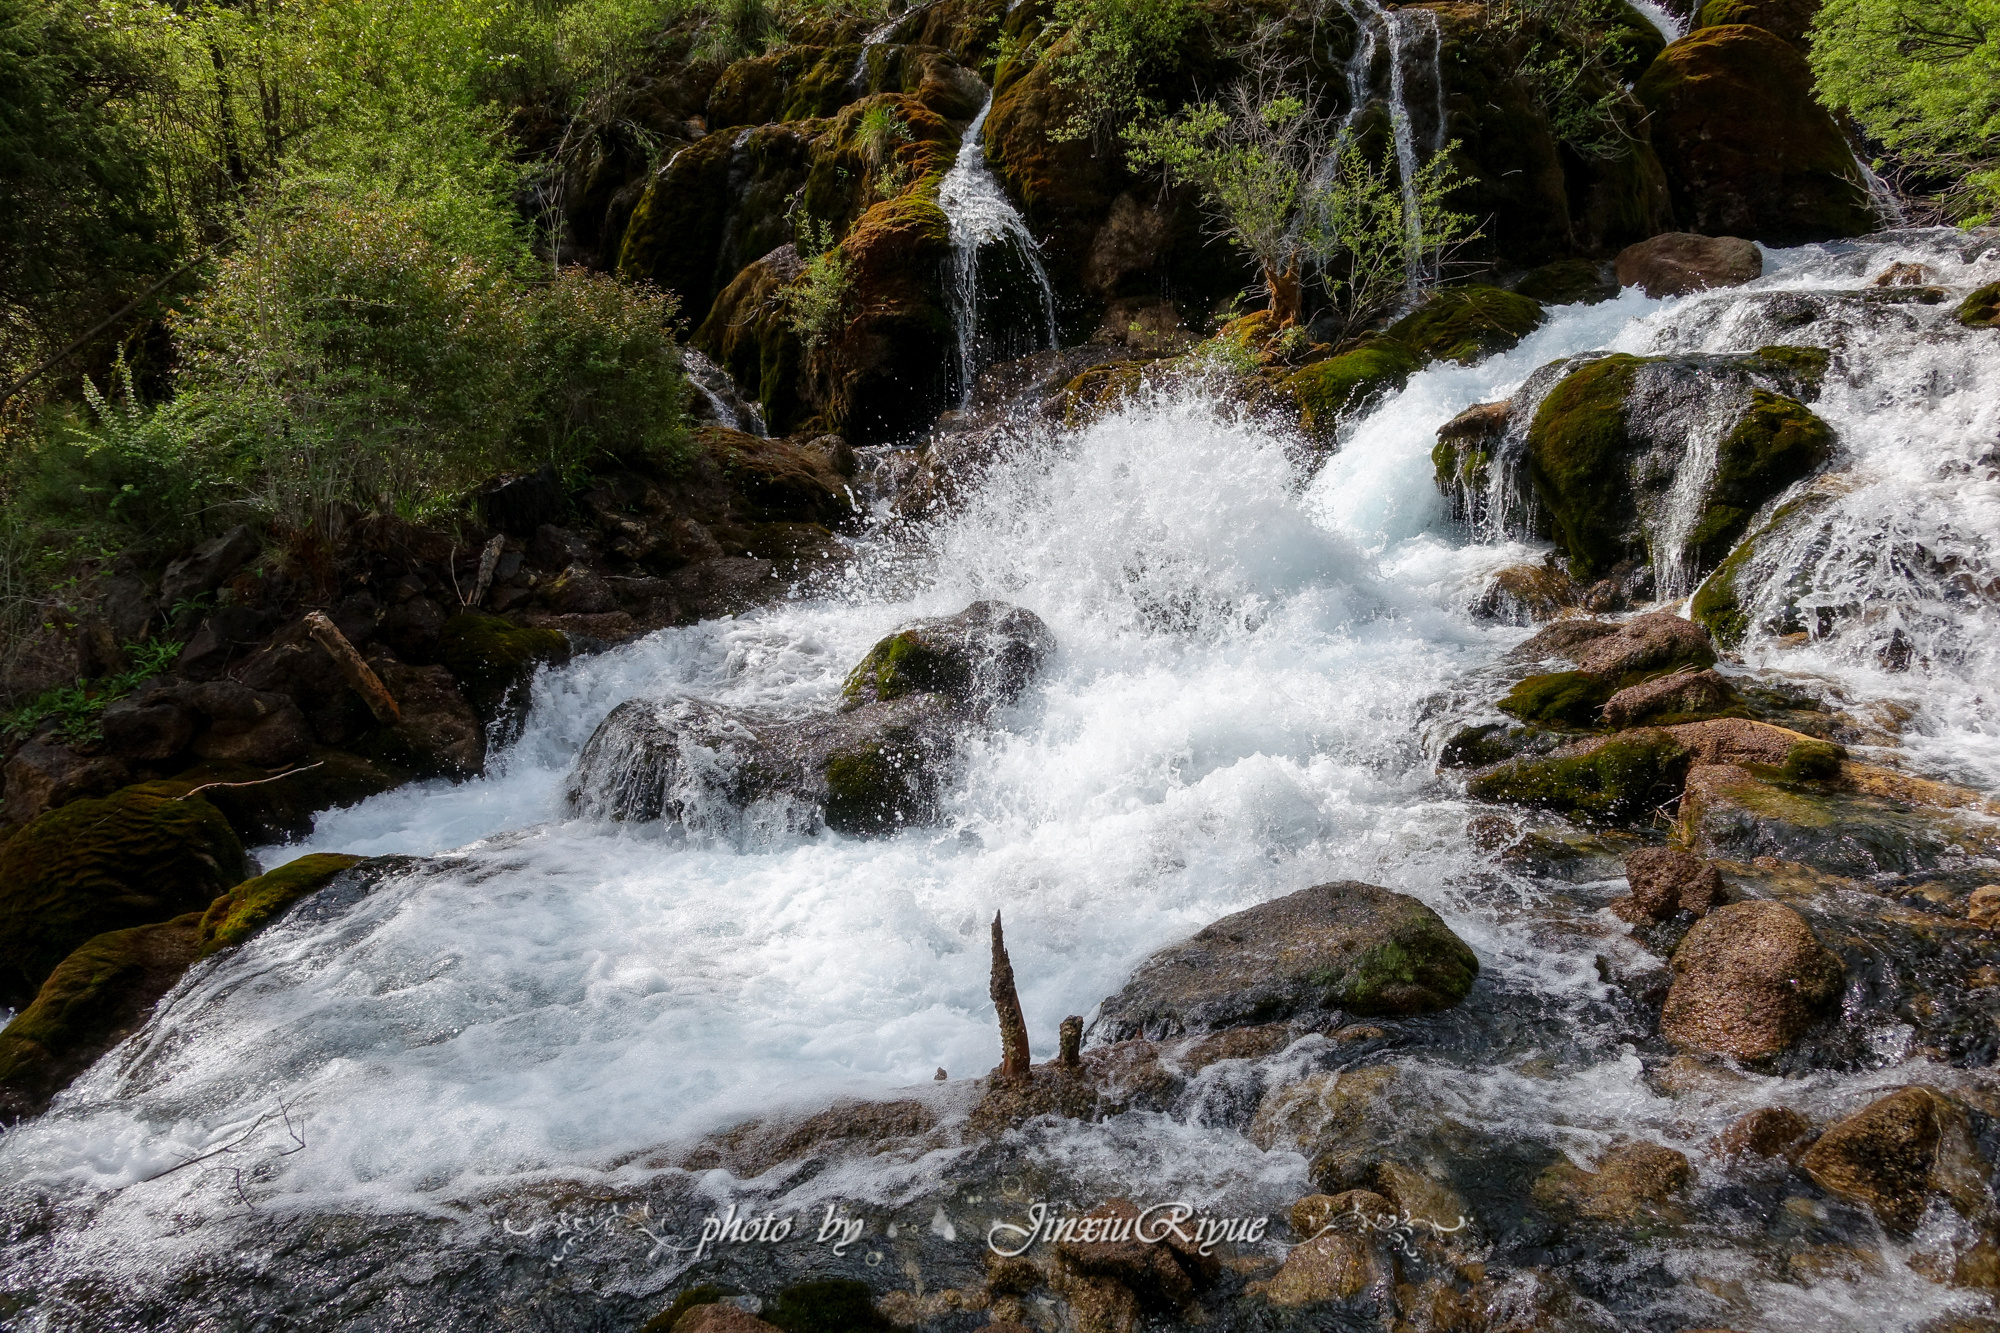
[[141, 855]]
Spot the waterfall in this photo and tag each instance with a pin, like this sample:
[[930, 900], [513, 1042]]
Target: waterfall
[[1671, 27], [714, 384], [1404, 30], [987, 230]]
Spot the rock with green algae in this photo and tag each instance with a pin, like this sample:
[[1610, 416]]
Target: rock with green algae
[[1568, 282], [95, 998], [141, 855], [1981, 310], [1789, 19], [1617, 779], [1747, 149], [1607, 440], [246, 909], [266, 807], [1328, 390], [493, 660], [983, 655], [1342, 946], [1467, 324], [1562, 698], [1741, 811]]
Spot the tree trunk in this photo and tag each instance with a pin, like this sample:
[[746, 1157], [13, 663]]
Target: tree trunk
[[1287, 293]]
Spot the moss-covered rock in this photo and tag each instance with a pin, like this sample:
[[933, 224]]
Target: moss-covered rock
[[779, 480], [748, 335], [1347, 946], [250, 906], [1328, 390], [888, 773], [1747, 149], [1741, 811], [882, 375], [1562, 698], [1625, 777], [1465, 324], [141, 855], [830, 1305], [985, 654], [1606, 443], [1981, 310], [1789, 19], [1568, 282], [93, 999], [493, 660]]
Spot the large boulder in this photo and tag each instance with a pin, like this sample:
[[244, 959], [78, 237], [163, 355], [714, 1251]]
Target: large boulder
[[1467, 324], [98, 995], [494, 660], [136, 857], [1747, 149], [1617, 779], [1677, 262], [882, 375], [1608, 444], [876, 763], [1897, 1153], [1748, 980], [246, 909], [44, 774], [1789, 19], [1342, 946]]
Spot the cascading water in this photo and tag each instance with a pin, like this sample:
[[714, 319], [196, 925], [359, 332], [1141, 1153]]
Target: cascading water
[[410, 1100], [1402, 32], [1001, 301]]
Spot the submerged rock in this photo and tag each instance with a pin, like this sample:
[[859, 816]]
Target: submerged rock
[[1630, 1181], [1981, 310], [138, 856], [1348, 946], [1897, 1153], [1768, 1131], [1739, 813], [875, 764], [1749, 979]]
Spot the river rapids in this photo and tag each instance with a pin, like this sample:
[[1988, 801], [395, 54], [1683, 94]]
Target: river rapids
[[472, 1091]]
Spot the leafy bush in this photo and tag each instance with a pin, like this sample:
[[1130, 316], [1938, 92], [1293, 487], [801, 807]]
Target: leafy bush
[[1922, 77], [1571, 56], [816, 300], [1110, 56]]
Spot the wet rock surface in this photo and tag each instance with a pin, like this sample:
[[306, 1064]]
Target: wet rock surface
[[1749, 979], [1344, 946]]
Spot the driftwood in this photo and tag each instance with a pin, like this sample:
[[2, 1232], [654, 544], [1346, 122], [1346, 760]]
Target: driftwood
[[359, 675], [489, 560], [1013, 1028], [1070, 1055]]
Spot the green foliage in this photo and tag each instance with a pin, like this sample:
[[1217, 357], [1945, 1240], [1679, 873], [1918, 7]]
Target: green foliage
[[1375, 243], [816, 300], [1922, 77], [1110, 56], [78, 707], [1576, 57]]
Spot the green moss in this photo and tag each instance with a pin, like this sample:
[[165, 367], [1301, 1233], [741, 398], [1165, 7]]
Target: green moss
[[1576, 449], [821, 89], [137, 856], [249, 907], [493, 659], [834, 1305], [1981, 310], [1802, 369], [1789, 19], [663, 1322], [865, 791], [1327, 390], [1812, 761], [1626, 778], [1561, 698], [905, 663], [1631, 42], [94, 995], [1464, 324], [1463, 467], [1426, 967], [1778, 441]]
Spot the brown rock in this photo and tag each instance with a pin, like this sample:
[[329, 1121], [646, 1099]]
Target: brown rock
[[1682, 692], [1665, 880], [1632, 1179], [1316, 1212], [1768, 1131], [1656, 641], [149, 726], [1163, 1274], [1522, 594], [43, 775], [1334, 1266], [1680, 262], [1903, 274], [247, 726], [439, 735], [721, 1317], [1982, 909], [1899, 1151], [1738, 740], [1749, 979], [1565, 638]]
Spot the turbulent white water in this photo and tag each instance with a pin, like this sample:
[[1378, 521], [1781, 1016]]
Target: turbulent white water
[[1236, 711]]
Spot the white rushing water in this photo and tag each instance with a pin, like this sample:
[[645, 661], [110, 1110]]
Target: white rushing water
[[1236, 711], [985, 226]]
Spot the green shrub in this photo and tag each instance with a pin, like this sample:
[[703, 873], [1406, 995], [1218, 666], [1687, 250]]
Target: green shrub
[[1109, 57]]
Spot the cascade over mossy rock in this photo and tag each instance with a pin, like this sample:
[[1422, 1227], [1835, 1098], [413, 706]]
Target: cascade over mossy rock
[[246, 909], [1325, 391], [493, 660], [1747, 149], [1748, 980], [1467, 324], [881, 376], [1348, 946], [1607, 441], [100, 993], [141, 855]]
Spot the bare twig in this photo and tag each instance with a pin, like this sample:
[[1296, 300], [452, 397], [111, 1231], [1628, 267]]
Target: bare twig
[[254, 782]]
